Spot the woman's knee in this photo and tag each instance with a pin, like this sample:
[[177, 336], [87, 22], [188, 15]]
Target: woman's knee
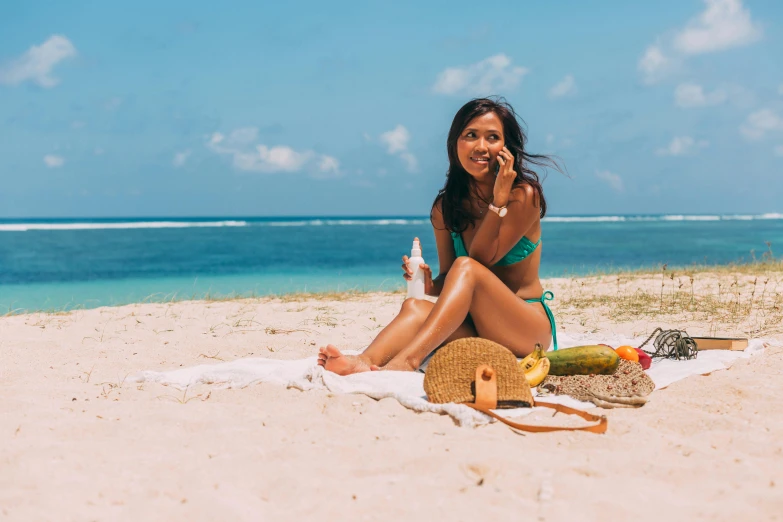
[[418, 307], [465, 266], [464, 263]]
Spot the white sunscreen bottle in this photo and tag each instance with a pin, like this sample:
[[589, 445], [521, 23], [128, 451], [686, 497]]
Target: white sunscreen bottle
[[416, 283]]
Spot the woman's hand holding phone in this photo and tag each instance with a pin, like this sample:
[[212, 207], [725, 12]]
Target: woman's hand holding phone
[[504, 179]]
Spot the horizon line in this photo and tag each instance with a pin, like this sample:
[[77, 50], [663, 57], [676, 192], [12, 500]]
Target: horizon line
[[366, 216]]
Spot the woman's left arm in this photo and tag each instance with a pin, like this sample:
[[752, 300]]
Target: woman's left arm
[[496, 236]]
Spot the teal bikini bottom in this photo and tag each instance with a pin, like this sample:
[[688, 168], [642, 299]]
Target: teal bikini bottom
[[547, 296]]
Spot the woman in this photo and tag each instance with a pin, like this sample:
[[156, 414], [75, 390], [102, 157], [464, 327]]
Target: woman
[[487, 223]]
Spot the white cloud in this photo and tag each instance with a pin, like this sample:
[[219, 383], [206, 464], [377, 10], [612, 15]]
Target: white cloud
[[682, 145], [410, 161], [760, 122], [486, 77], [396, 141], [613, 180], [653, 64], [280, 158], [328, 167], [329, 164], [779, 150], [692, 95], [566, 87], [252, 157], [36, 63], [723, 24], [180, 158], [52, 161]]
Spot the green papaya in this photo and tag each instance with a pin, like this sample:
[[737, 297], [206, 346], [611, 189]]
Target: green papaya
[[583, 360]]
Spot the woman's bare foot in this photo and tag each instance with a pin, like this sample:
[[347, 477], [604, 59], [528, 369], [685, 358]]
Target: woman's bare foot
[[333, 360]]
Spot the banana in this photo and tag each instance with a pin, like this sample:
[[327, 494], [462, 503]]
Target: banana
[[530, 361], [538, 373]]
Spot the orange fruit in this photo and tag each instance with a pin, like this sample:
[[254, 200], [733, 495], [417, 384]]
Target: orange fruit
[[628, 353]]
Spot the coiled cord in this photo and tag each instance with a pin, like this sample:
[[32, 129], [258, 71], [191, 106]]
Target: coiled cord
[[672, 344]]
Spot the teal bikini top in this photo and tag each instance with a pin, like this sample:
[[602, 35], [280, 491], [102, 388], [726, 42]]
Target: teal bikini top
[[518, 252]]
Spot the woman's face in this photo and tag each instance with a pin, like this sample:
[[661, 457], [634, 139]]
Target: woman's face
[[479, 144]]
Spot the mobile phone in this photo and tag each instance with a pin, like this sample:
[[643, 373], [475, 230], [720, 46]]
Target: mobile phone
[[497, 168]]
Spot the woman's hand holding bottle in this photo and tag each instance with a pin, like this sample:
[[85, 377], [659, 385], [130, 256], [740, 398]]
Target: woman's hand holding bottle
[[423, 268]]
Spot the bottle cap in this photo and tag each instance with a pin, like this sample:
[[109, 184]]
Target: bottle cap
[[416, 250]]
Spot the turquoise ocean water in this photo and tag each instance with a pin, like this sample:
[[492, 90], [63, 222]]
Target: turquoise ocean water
[[63, 264]]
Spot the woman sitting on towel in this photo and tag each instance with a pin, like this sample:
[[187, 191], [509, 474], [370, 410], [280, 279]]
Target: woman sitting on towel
[[487, 224]]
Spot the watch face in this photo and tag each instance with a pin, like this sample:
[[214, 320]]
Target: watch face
[[502, 211]]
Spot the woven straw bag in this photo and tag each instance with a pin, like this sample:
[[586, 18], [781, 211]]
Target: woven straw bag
[[451, 374], [486, 376]]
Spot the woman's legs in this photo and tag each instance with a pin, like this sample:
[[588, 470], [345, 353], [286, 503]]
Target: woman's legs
[[390, 341], [498, 315]]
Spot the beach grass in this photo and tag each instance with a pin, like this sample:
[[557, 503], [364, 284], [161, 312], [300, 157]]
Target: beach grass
[[746, 298]]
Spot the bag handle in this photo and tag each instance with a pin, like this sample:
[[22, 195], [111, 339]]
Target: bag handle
[[487, 400]]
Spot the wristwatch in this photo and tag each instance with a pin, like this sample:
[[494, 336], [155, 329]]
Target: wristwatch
[[500, 211]]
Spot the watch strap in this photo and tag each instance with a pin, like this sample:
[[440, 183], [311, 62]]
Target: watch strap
[[496, 210]]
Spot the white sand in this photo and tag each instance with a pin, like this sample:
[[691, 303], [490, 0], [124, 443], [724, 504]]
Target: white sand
[[78, 443]]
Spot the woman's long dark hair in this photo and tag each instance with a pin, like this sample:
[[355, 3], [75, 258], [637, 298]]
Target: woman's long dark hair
[[459, 184]]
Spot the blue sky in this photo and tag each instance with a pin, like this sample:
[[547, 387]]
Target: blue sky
[[259, 108]]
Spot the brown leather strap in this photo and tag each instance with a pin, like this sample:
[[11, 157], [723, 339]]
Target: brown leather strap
[[487, 400], [486, 387], [599, 427]]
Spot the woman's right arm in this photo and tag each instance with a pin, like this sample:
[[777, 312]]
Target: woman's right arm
[[446, 254]]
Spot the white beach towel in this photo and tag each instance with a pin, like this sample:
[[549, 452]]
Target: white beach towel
[[407, 387]]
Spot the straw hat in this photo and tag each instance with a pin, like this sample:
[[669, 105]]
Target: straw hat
[[452, 377]]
